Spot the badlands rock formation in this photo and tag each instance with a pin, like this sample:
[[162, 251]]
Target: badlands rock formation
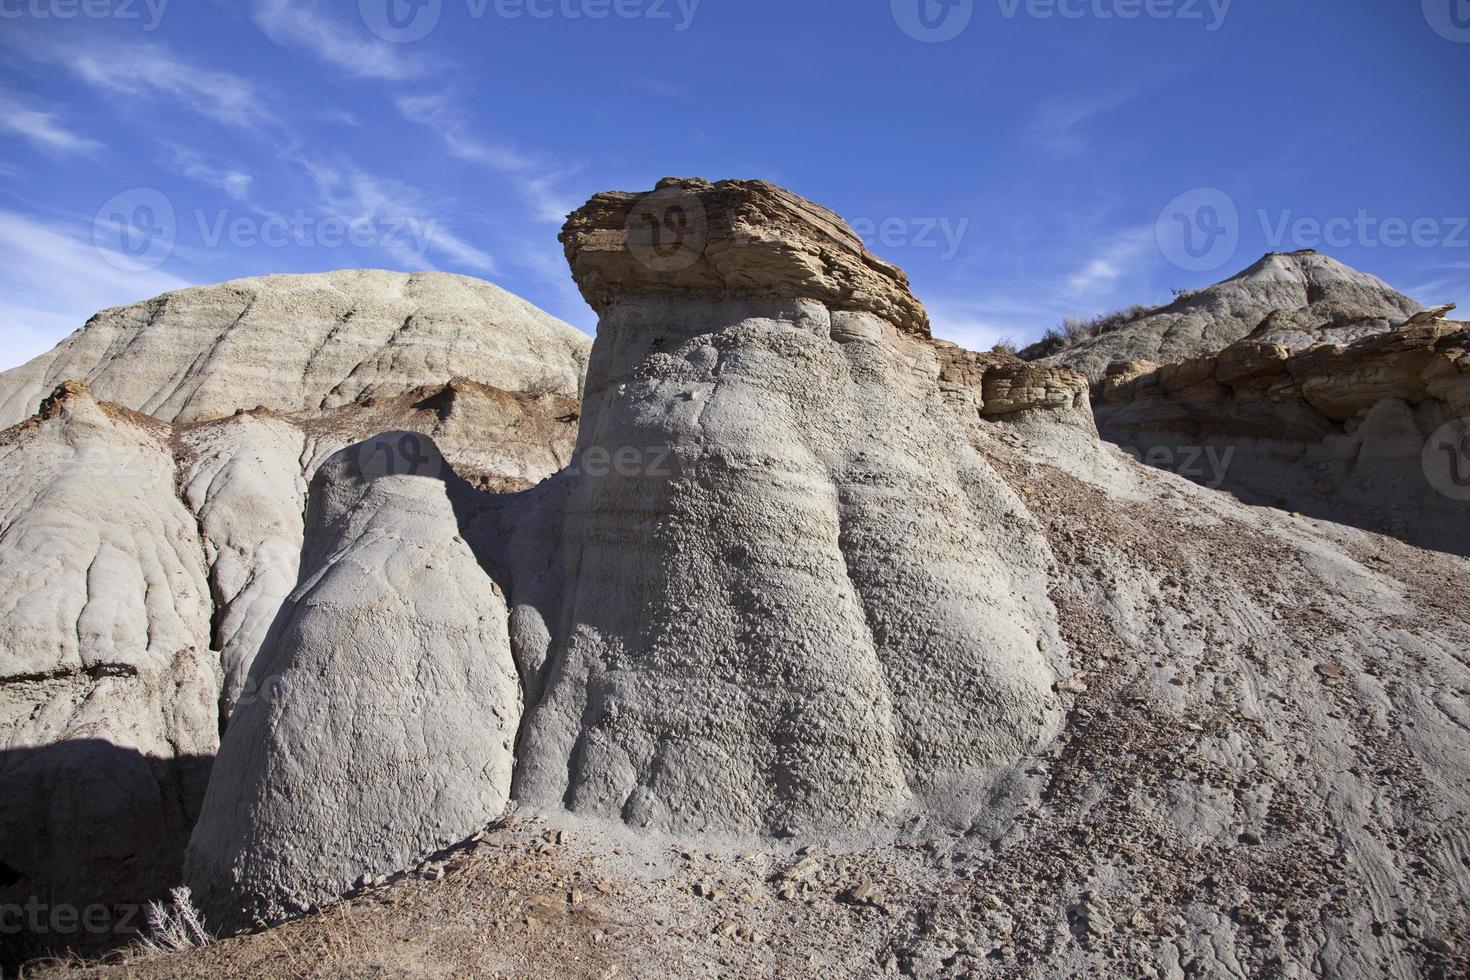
[[812, 576], [766, 596], [384, 707], [302, 343], [694, 239], [1372, 433], [874, 627], [1310, 297], [145, 561]]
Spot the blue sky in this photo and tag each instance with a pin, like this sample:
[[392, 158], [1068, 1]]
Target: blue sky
[[1022, 159]]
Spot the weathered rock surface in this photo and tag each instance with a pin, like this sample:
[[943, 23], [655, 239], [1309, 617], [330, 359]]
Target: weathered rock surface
[[1000, 385], [147, 560], [299, 343], [244, 482], [1295, 299], [107, 682], [1367, 433], [784, 530], [736, 238], [380, 719]]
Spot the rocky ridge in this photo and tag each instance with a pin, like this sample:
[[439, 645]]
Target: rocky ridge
[[304, 343], [1294, 298]]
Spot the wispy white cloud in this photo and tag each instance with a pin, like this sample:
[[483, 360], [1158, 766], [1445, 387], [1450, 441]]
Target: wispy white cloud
[[409, 224], [534, 179], [1106, 272], [1059, 125], [234, 182], [41, 128], [436, 111], [151, 70], [341, 116], [1453, 288], [1116, 258], [302, 24], [52, 278]]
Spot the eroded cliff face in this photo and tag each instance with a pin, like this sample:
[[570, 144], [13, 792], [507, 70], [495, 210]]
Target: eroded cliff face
[[1373, 432]]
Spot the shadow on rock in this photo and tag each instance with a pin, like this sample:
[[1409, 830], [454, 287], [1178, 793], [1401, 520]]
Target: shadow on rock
[[91, 833]]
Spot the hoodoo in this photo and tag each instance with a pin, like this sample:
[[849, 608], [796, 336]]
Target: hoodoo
[[769, 595]]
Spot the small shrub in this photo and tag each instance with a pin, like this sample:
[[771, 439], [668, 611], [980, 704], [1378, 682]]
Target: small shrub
[[177, 925], [1076, 329], [1004, 346]]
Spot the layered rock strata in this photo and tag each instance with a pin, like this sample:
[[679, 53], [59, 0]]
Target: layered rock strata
[[1372, 433]]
